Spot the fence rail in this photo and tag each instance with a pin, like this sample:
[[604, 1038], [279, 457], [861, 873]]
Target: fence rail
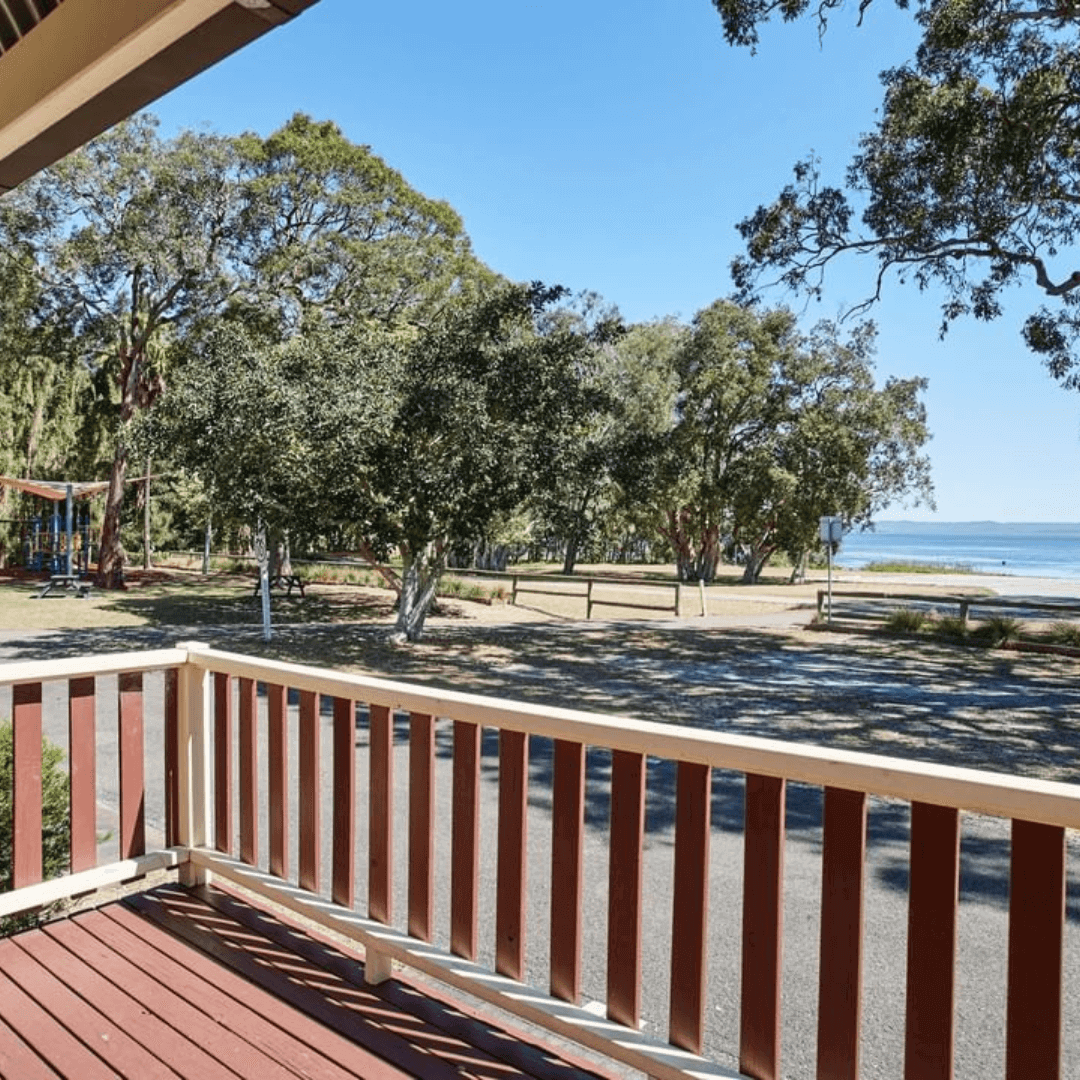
[[219, 704], [965, 605]]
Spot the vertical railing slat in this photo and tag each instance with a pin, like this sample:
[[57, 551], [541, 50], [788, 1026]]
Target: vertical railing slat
[[277, 785], [172, 755], [1036, 928], [308, 799], [627, 835], [343, 880], [763, 907], [933, 899], [247, 720], [132, 767], [840, 968], [421, 824], [223, 761], [380, 814], [690, 907], [510, 873], [567, 833], [26, 786], [465, 842], [82, 744]]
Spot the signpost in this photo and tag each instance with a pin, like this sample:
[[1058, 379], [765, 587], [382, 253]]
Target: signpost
[[831, 532]]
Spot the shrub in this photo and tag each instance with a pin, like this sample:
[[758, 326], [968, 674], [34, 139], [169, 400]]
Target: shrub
[[1064, 633], [950, 628], [997, 630], [905, 621], [55, 821]]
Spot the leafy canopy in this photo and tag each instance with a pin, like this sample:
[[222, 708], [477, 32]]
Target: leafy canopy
[[970, 182]]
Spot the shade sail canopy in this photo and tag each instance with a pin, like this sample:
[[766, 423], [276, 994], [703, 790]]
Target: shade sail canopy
[[56, 489], [69, 69]]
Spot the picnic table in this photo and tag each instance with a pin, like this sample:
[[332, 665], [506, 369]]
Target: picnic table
[[62, 584], [281, 581]]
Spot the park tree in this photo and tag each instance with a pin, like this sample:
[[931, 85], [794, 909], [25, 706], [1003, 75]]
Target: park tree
[[969, 181], [769, 429], [410, 438], [482, 402], [127, 236], [686, 464], [840, 447], [46, 404], [574, 491], [138, 241]]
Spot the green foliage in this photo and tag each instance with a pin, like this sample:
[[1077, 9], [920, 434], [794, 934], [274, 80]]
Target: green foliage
[[997, 630], [406, 438], [1064, 633], [967, 183], [950, 628], [767, 429], [885, 567], [905, 620], [55, 809]]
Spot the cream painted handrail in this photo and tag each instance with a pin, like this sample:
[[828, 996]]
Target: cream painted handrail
[[998, 794], [27, 671]]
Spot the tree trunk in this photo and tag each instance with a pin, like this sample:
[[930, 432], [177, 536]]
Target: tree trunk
[[206, 546], [755, 563], [798, 570], [420, 576], [111, 554], [570, 558], [280, 556], [146, 518]]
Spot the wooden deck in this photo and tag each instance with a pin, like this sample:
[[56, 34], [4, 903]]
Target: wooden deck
[[200, 983]]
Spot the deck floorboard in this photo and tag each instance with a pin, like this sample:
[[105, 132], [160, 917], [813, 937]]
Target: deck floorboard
[[203, 983]]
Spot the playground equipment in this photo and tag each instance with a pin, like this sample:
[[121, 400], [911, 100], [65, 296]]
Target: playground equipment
[[58, 543]]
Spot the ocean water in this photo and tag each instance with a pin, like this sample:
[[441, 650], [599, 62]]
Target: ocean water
[[1026, 550]]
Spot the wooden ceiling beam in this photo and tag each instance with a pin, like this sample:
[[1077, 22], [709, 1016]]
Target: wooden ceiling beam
[[91, 63]]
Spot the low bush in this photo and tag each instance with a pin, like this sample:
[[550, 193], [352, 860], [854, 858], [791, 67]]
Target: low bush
[[1064, 633], [997, 630], [950, 628], [55, 820], [905, 620]]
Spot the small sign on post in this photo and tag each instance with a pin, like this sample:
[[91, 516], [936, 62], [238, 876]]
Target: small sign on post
[[831, 530]]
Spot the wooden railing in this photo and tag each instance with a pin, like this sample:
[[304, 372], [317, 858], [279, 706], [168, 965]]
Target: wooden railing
[[964, 604], [230, 712]]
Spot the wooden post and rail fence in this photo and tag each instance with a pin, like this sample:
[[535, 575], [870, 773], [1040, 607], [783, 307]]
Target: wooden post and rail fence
[[964, 605], [536, 584], [230, 721]]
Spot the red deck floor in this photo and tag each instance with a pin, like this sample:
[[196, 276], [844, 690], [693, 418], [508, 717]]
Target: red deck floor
[[202, 984]]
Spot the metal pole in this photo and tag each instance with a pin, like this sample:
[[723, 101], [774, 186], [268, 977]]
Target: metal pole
[[70, 526], [829, 615]]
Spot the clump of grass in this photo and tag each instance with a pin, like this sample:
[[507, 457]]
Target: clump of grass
[[901, 567], [905, 620], [997, 630], [469, 590], [950, 628], [1062, 632]]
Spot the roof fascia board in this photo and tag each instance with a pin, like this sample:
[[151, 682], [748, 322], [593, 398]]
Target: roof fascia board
[[83, 48]]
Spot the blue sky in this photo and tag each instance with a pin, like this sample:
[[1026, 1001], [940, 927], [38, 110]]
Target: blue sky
[[613, 145]]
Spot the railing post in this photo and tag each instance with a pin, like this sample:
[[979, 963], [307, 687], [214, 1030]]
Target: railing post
[[588, 600], [194, 761]]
